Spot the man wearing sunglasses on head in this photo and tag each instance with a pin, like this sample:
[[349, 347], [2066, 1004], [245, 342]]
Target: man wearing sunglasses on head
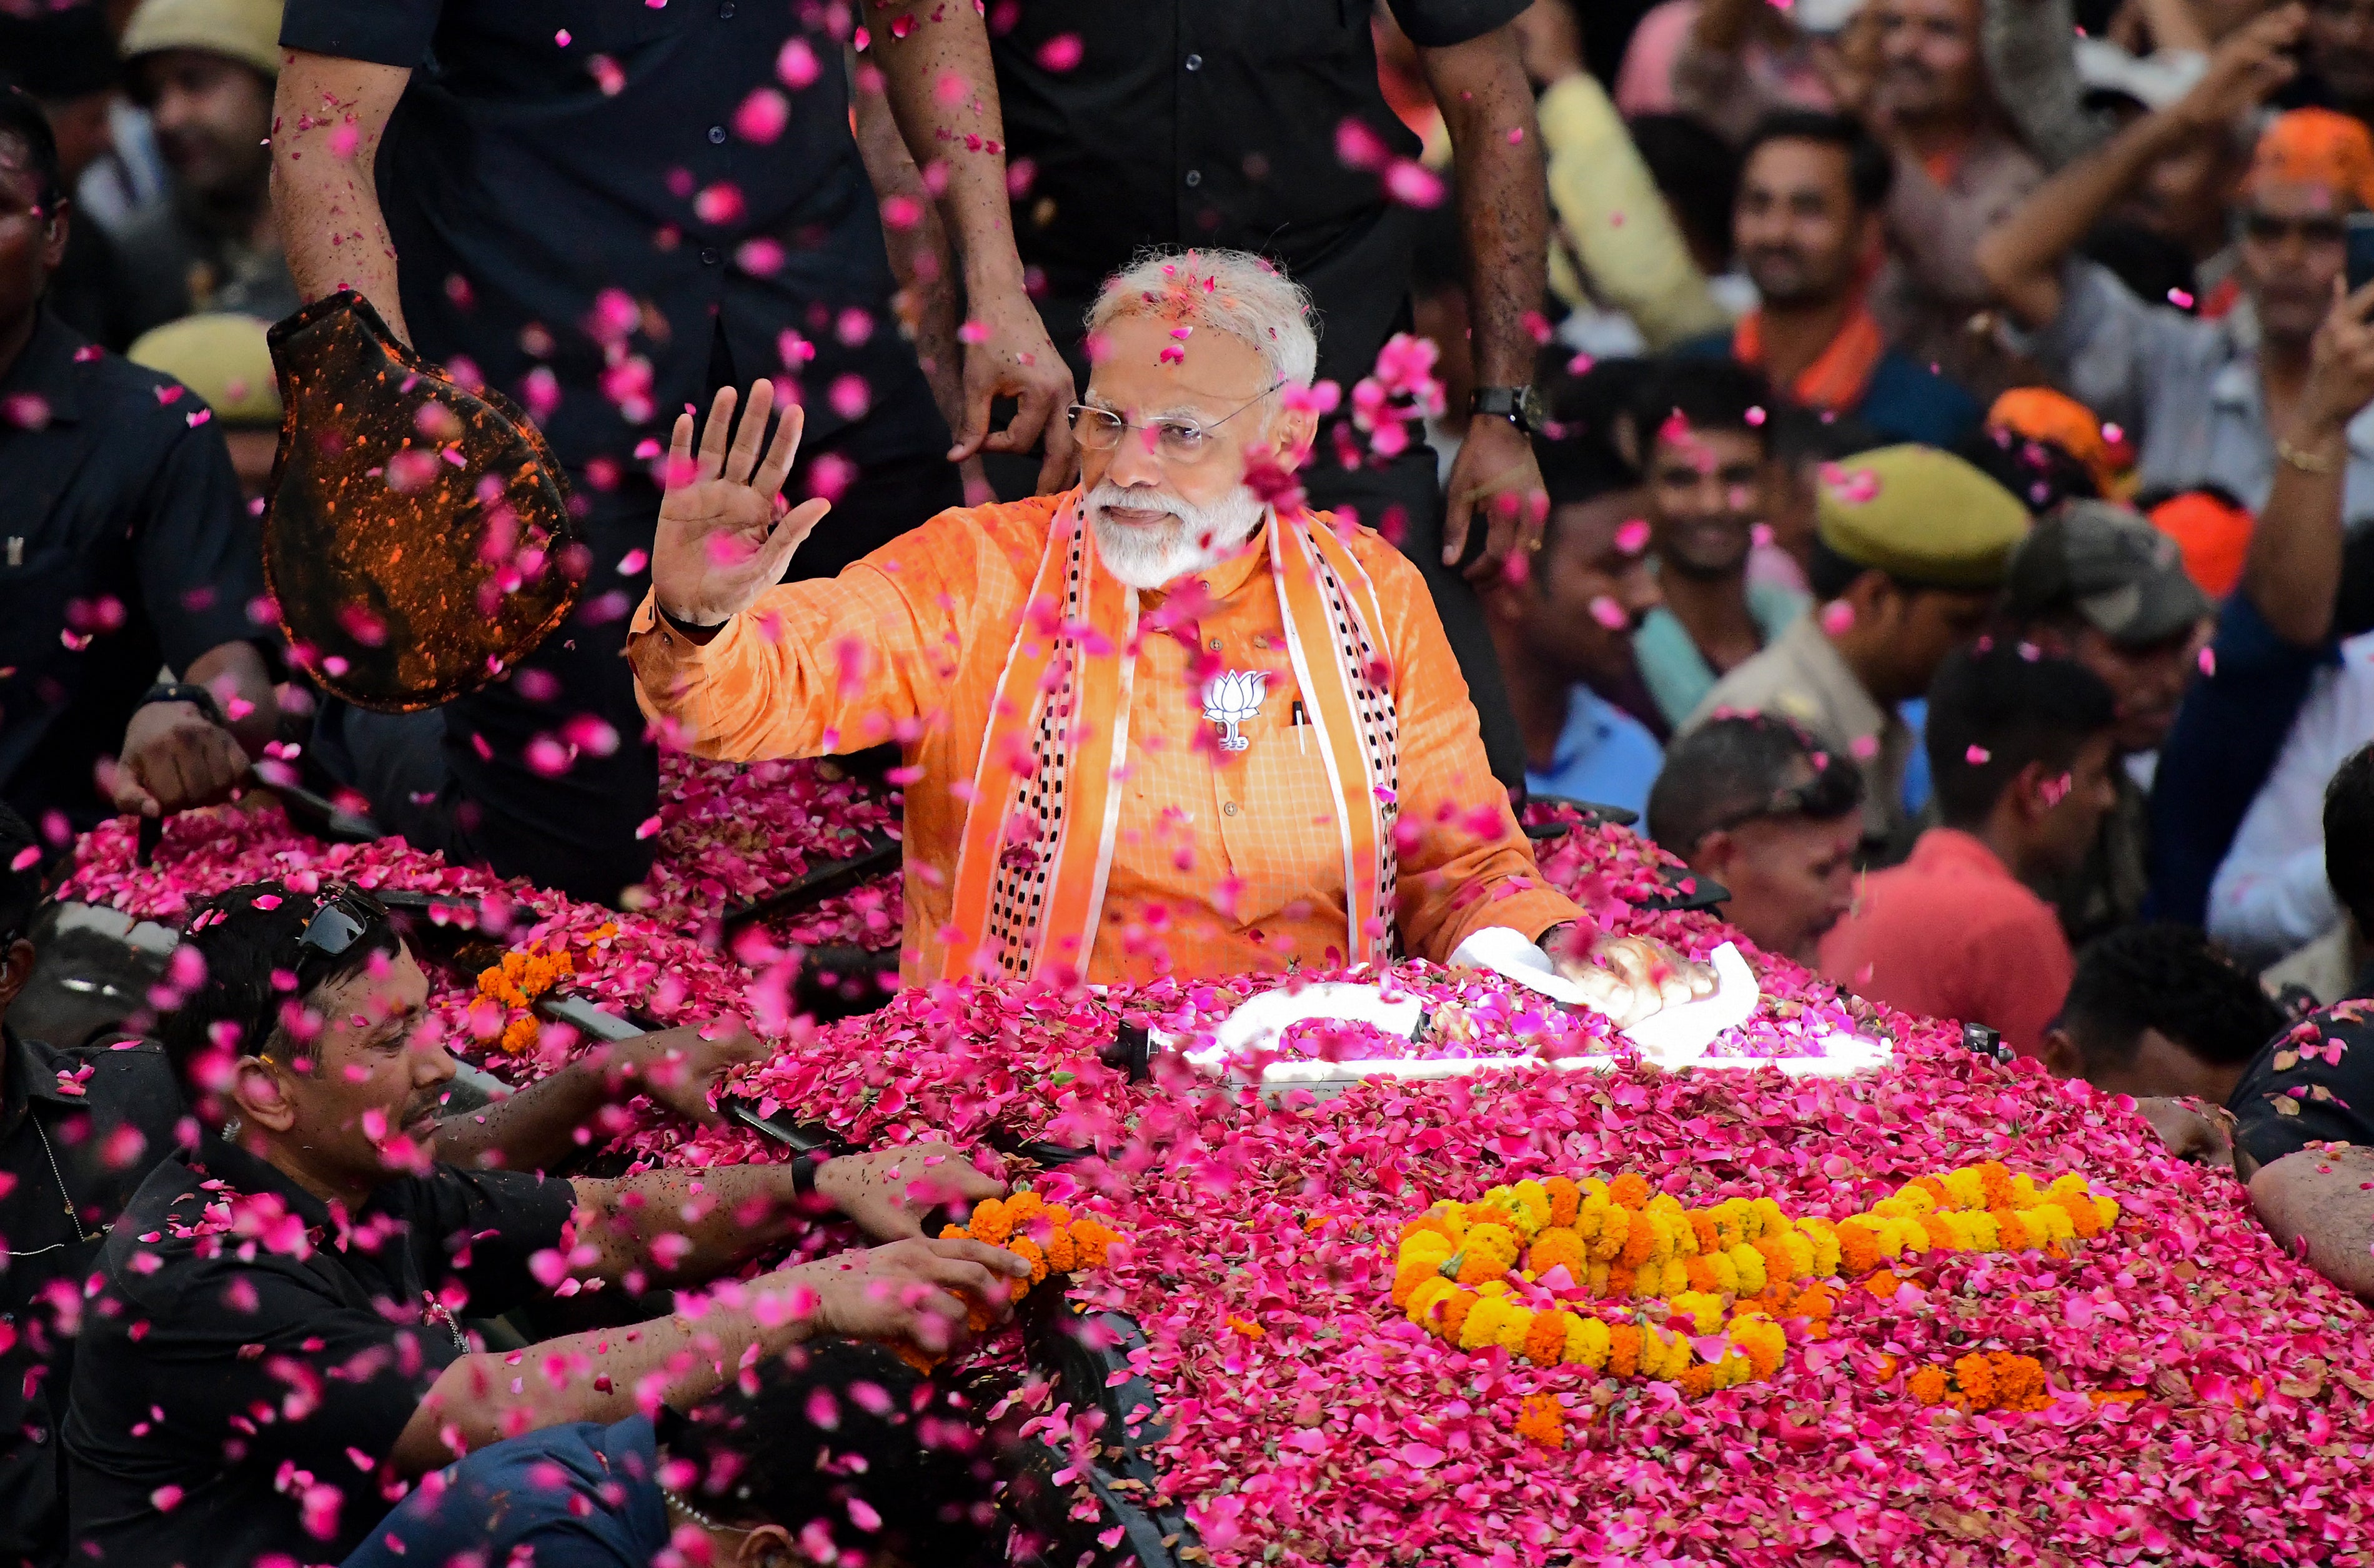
[[274, 1350], [1171, 721], [2260, 400]]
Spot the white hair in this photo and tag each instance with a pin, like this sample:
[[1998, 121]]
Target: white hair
[[1230, 291]]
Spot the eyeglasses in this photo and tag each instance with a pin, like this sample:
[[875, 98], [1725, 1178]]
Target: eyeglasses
[[2268, 229], [343, 920], [1182, 441]]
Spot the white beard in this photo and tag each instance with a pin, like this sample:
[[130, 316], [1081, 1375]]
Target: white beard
[[1193, 539]]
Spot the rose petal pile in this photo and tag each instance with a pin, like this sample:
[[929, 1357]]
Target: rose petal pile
[[1311, 1422]]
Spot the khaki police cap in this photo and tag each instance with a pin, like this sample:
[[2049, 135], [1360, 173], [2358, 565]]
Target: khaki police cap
[[1920, 515], [244, 30], [223, 358]]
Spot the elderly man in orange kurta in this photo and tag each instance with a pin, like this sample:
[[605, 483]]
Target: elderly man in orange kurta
[[1157, 723]]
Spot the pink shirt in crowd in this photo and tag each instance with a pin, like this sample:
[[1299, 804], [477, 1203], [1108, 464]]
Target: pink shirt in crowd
[[1951, 933]]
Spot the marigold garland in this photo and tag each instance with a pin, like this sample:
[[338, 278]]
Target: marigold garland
[[525, 975], [1985, 1380], [1509, 1269]]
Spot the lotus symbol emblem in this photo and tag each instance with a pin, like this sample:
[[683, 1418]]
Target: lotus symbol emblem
[[1231, 698]]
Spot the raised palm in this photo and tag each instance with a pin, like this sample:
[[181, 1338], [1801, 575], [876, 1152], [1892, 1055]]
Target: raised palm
[[725, 535]]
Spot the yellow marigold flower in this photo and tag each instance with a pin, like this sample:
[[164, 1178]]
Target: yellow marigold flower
[[1514, 1329], [1484, 1321], [2069, 1185], [1705, 1312], [1615, 1229], [1529, 1205], [1986, 1236], [1488, 1252], [1597, 1283], [1587, 1342], [1969, 1189], [1431, 1244], [1648, 1280], [1594, 1188], [1726, 1272], [2055, 1220], [2108, 1209], [1767, 1215], [1749, 1265], [1663, 1204], [2023, 1192]]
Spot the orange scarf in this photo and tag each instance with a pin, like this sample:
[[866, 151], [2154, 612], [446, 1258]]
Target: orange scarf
[[1834, 382], [1038, 844]]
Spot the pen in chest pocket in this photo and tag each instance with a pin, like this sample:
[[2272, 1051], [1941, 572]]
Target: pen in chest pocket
[[1301, 728]]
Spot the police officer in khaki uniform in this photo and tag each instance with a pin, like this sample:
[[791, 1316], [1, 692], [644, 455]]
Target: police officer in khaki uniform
[[1911, 548]]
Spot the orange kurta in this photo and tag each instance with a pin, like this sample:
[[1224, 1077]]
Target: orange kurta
[[1225, 861]]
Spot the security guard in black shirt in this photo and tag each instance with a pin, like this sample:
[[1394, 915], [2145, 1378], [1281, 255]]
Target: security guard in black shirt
[[125, 546], [78, 1132]]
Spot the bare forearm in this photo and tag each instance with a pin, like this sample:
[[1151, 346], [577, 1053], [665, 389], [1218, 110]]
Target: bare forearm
[[2295, 555], [605, 1375], [328, 117], [2318, 1201], [2021, 257], [235, 672], [1503, 203], [966, 137], [921, 256], [530, 1129], [715, 1218]]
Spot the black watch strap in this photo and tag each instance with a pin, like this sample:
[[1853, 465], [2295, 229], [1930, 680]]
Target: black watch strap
[[697, 631], [186, 691], [1513, 404]]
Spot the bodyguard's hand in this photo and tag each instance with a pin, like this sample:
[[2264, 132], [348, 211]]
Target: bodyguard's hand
[[725, 533], [887, 1191], [908, 1290], [1630, 978], [678, 1068], [1010, 356], [1496, 485], [175, 759]]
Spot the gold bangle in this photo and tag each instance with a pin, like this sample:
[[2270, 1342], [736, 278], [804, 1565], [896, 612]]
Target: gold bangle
[[2306, 463]]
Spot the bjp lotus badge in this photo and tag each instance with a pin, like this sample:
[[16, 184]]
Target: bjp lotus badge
[[1231, 698]]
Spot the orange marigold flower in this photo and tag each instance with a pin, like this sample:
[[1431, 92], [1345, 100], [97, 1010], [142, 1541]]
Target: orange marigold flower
[[1935, 1189], [1699, 1381], [1619, 1283], [1541, 1420], [1553, 1247], [1702, 1224], [1883, 1283], [1639, 1242], [1927, 1386], [1701, 1275], [2084, 1217], [1858, 1250], [1455, 1311], [1623, 1349], [1023, 1205], [1027, 1250], [1566, 1199], [1996, 1179], [1092, 1240], [1630, 1190], [1062, 1257], [991, 1222], [1545, 1341]]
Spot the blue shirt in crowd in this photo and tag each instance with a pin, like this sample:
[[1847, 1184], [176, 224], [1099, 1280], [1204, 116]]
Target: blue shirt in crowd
[[1605, 755]]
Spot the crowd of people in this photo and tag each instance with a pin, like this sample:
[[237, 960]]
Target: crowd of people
[[1914, 455]]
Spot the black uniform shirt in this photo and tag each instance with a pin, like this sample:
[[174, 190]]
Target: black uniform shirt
[[125, 544], [1214, 123], [555, 161], [79, 1128], [248, 1349]]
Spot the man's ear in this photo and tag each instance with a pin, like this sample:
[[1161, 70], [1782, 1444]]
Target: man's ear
[[1713, 855], [259, 1088], [2027, 791], [2060, 1054], [769, 1546], [1296, 431], [1626, 434], [16, 969]]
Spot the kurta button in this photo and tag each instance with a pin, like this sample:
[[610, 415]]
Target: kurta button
[[716, 135], [1230, 809]]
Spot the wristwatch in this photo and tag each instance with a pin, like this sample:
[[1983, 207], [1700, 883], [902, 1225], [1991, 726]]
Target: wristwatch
[[190, 692], [1521, 406]]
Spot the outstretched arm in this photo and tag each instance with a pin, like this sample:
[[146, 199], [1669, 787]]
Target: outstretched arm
[[328, 116], [936, 69], [2318, 1201], [540, 1126]]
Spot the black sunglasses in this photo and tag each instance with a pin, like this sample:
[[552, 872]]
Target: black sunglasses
[[346, 917]]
